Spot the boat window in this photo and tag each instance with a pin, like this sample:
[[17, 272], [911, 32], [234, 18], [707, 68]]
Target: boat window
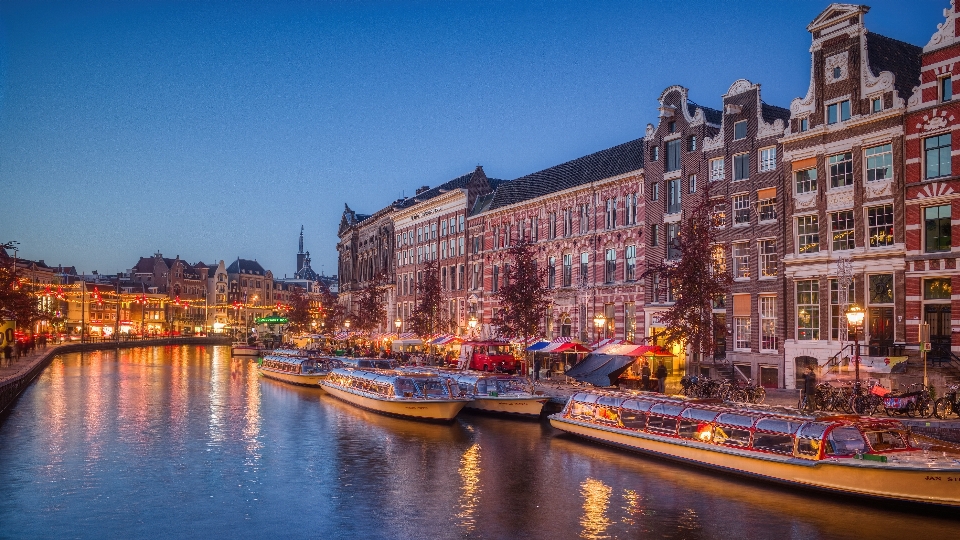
[[882, 440], [511, 385], [731, 435], [631, 418], [813, 430], [482, 386], [844, 441], [607, 414], [699, 414], [590, 398], [635, 405], [608, 401], [810, 439], [406, 388], [778, 425], [661, 424], [780, 443], [738, 420], [581, 408], [434, 387], [698, 430], [466, 388], [666, 409]]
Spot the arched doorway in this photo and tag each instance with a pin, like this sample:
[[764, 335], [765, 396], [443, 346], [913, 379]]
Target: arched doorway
[[566, 326]]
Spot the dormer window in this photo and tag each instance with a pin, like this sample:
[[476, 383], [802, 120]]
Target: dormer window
[[838, 112], [876, 104], [946, 88], [804, 124]]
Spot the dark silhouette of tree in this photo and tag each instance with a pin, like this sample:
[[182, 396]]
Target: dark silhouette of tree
[[331, 311], [695, 278], [427, 317], [16, 301], [523, 298], [299, 315], [370, 311]]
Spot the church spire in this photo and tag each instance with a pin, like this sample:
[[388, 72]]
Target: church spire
[[301, 239]]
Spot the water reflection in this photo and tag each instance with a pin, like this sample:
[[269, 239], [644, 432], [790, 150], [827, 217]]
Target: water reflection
[[188, 442]]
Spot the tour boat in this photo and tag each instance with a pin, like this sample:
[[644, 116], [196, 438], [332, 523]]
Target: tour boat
[[494, 393], [242, 348], [852, 455], [405, 395], [295, 367]]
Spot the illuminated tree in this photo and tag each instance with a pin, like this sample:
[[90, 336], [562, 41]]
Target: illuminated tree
[[427, 317], [370, 309], [523, 298], [299, 315], [16, 302]]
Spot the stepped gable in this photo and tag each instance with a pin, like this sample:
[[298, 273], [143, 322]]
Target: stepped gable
[[607, 163], [898, 57]]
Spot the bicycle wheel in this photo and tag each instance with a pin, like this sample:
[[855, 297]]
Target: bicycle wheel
[[758, 395], [911, 410], [857, 404], [942, 408], [740, 396], [924, 410]]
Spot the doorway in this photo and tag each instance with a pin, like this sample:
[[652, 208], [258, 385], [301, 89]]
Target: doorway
[[881, 331], [938, 317]]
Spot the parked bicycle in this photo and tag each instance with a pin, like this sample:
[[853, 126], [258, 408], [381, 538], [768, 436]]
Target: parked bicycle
[[749, 393], [948, 404], [913, 401]]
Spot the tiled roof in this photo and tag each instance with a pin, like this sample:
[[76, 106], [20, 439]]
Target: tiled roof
[[614, 161], [900, 58], [712, 116], [248, 267], [456, 183], [771, 113]]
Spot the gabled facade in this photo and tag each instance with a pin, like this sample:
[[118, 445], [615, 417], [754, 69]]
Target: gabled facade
[[932, 195], [844, 198]]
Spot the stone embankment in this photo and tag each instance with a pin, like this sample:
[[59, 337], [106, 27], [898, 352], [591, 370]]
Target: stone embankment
[[17, 374]]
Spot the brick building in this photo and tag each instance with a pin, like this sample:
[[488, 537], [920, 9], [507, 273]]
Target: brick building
[[932, 191], [365, 253], [844, 201]]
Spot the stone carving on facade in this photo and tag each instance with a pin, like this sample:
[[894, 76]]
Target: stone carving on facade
[[650, 131], [946, 31], [713, 143], [698, 117], [836, 61], [934, 120], [936, 189], [806, 200], [839, 200], [881, 83], [880, 188]]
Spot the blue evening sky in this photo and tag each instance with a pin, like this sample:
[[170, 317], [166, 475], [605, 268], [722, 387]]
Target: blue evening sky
[[212, 130]]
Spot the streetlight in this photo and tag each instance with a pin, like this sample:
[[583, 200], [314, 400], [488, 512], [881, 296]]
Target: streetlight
[[598, 321], [472, 322], [398, 323], [855, 320]]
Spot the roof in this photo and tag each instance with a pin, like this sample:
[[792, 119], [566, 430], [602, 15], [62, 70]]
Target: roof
[[607, 163], [771, 113], [247, 267], [712, 116], [898, 57]]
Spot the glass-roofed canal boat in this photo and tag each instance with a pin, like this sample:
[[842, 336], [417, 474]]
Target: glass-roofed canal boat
[[495, 393], [852, 455], [296, 367], [417, 396]]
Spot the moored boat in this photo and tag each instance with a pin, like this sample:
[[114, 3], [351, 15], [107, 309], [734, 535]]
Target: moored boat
[[242, 348], [405, 395], [296, 368], [494, 393], [851, 455]]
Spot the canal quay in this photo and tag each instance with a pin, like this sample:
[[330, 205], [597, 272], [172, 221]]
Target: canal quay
[[183, 441]]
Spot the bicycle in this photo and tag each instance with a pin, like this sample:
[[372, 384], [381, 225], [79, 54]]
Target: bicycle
[[949, 403]]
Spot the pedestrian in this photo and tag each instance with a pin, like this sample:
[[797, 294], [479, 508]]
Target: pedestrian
[[645, 376], [536, 367], [662, 377], [7, 351], [809, 389]]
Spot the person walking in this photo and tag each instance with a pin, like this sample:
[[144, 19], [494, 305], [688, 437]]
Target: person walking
[[809, 389], [536, 367], [645, 376], [662, 377]]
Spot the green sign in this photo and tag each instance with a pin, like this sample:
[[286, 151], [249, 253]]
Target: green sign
[[272, 320]]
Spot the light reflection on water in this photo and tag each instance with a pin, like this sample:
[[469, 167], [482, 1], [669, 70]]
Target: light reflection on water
[[187, 442]]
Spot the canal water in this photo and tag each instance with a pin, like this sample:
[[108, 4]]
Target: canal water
[[185, 442]]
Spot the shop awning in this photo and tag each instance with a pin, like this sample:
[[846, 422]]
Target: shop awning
[[564, 345], [608, 341], [601, 369], [406, 335], [446, 339], [536, 347]]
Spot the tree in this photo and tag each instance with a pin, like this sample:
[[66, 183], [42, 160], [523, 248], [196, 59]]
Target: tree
[[370, 309], [299, 315], [523, 298], [16, 302], [427, 317], [696, 279], [331, 311]]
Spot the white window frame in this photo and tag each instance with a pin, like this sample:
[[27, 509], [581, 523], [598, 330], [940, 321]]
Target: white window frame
[[767, 308], [740, 252], [717, 169], [741, 333], [765, 258], [867, 158], [768, 159], [740, 204]]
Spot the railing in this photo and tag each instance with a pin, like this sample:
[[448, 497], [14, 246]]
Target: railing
[[834, 361]]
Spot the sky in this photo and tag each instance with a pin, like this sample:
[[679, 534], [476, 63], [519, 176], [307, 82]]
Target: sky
[[212, 130]]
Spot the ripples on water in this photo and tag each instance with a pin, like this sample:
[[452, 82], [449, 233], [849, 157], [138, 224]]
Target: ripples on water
[[186, 442]]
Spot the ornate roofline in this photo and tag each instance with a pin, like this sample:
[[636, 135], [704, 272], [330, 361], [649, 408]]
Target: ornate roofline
[[946, 33]]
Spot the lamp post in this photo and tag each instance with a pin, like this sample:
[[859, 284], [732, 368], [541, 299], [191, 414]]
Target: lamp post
[[855, 315], [398, 323], [598, 321], [472, 322]]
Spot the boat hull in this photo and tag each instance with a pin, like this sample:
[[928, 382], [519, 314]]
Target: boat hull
[[934, 485], [428, 410], [293, 378], [514, 406], [244, 351]]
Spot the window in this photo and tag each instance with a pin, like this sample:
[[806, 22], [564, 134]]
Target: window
[[804, 124], [475, 280], [838, 112], [655, 191], [672, 126], [843, 230], [673, 231], [630, 270], [495, 282], [716, 169], [673, 155], [534, 229], [419, 234], [460, 220], [742, 332], [654, 153], [552, 223], [443, 228], [719, 214], [691, 143], [433, 231], [876, 104], [567, 270], [946, 88], [610, 216], [808, 234], [552, 272], [443, 248], [936, 227], [879, 162], [836, 303], [443, 278], [673, 196], [692, 183], [568, 222], [880, 225], [610, 268], [767, 204], [837, 73], [806, 180], [584, 218], [937, 156], [808, 309], [768, 323], [768, 159], [460, 247], [654, 235], [584, 267], [718, 256], [741, 260], [937, 289], [631, 209], [741, 209], [741, 167], [767, 250], [740, 130], [881, 288], [841, 170]]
